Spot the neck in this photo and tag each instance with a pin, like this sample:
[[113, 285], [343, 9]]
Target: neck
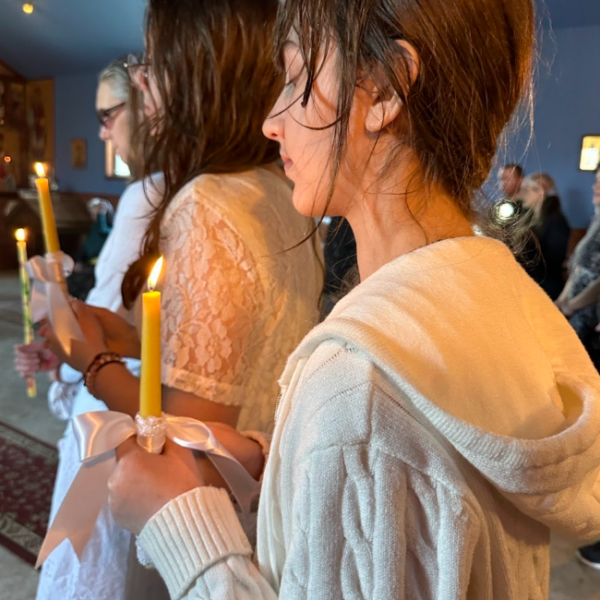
[[387, 226]]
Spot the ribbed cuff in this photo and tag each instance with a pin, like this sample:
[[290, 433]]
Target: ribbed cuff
[[192, 533]]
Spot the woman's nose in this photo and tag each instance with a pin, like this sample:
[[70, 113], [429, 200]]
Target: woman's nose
[[273, 125], [104, 134]]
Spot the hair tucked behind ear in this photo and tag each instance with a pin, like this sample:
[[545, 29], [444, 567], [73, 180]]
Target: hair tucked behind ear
[[216, 79], [475, 66]]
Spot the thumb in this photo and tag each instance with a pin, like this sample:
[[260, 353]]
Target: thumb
[[128, 446], [186, 455]]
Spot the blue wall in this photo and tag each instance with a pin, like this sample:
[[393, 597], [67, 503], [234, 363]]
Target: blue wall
[[76, 119], [567, 108]]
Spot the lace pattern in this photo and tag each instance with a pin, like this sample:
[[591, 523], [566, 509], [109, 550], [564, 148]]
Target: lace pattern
[[233, 310]]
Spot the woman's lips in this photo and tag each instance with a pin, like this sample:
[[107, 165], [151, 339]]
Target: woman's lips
[[287, 163]]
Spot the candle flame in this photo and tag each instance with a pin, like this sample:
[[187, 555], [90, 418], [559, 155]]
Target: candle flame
[[153, 279], [20, 235], [40, 169]]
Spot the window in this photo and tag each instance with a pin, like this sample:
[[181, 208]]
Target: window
[[590, 153], [115, 167]]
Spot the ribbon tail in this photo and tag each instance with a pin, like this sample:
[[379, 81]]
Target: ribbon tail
[[240, 482], [78, 513], [195, 435], [62, 318], [39, 304]]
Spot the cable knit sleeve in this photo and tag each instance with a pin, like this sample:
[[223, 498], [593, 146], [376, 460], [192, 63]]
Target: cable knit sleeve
[[359, 531]]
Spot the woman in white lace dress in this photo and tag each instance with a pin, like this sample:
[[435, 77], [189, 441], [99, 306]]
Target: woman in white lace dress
[[236, 298]]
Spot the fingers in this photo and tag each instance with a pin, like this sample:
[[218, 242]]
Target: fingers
[[186, 456], [127, 447], [26, 366], [29, 358]]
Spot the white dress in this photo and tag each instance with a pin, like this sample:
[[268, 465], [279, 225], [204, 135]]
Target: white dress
[[63, 577], [236, 300]]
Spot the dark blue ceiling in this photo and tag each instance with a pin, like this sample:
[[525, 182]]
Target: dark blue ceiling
[[68, 36], [573, 13], [78, 36]]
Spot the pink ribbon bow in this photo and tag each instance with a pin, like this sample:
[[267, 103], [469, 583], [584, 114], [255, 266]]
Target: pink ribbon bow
[[49, 298], [98, 434]]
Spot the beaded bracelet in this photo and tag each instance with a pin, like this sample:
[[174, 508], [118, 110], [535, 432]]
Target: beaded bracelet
[[103, 359]]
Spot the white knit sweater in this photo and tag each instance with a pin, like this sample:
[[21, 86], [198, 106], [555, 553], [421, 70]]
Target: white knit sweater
[[429, 435]]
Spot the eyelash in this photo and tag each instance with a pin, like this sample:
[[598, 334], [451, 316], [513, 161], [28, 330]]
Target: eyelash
[[292, 82]]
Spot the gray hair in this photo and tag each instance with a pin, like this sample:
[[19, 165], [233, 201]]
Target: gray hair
[[115, 74]]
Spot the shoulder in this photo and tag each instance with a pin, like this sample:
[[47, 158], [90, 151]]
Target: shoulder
[[141, 197], [229, 194], [344, 398], [345, 404]]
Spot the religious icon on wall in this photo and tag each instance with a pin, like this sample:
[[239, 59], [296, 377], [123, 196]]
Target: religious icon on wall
[[36, 118], [17, 102], [79, 154], [40, 120], [2, 102]]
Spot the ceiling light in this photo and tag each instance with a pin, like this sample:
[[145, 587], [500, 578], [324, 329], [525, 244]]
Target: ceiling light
[[27, 8]]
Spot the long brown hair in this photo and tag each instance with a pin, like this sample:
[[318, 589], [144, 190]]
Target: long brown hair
[[475, 65], [212, 60]]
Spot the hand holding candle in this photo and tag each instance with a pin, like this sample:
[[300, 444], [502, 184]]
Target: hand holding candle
[[26, 301]]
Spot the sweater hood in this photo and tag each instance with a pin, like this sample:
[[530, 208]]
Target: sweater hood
[[476, 349]]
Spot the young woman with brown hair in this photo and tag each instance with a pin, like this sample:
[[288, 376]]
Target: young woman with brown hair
[[235, 300], [416, 454]]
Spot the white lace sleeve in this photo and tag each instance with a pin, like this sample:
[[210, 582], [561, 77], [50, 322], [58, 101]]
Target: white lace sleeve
[[212, 299]]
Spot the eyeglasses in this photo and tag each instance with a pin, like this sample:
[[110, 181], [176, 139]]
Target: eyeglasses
[[107, 116], [138, 71]]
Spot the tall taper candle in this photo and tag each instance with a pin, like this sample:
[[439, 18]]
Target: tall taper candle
[[150, 384], [26, 302], [46, 210]]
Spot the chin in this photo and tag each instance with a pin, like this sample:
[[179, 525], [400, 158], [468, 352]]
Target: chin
[[304, 202]]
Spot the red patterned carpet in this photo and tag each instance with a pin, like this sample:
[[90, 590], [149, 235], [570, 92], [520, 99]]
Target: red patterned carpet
[[27, 473]]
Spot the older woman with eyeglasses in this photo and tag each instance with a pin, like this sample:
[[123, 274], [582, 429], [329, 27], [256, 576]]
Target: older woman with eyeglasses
[[64, 576]]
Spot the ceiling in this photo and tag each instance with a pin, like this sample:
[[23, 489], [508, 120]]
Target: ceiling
[[78, 36], [68, 36], [573, 13]]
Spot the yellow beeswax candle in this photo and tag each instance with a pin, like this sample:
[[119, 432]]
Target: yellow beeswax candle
[[150, 384], [47, 213], [25, 301]]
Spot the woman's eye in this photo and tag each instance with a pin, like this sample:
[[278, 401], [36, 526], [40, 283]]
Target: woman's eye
[[291, 80]]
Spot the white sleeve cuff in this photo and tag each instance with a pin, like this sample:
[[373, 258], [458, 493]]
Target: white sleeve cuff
[[190, 534]]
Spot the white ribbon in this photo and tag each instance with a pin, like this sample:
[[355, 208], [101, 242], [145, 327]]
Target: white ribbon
[[98, 434], [49, 298]]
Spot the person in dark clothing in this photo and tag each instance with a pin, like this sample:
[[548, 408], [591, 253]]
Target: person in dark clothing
[[545, 253], [510, 208], [340, 259], [82, 280]]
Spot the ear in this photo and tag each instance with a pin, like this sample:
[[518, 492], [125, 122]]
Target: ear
[[387, 104]]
